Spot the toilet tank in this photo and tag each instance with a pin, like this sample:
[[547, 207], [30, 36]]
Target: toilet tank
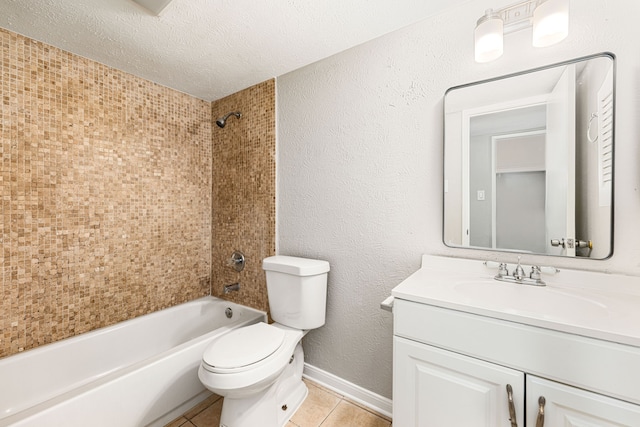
[[297, 290]]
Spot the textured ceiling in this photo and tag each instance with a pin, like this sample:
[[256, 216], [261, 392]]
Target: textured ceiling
[[211, 48]]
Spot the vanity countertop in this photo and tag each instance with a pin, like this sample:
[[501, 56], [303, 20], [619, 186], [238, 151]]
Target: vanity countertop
[[592, 304]]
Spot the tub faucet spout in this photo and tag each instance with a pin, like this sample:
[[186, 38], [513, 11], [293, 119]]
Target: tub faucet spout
[[234, 287]]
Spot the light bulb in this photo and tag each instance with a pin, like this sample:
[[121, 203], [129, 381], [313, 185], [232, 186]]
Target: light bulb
[[550, 22], [489, 37]]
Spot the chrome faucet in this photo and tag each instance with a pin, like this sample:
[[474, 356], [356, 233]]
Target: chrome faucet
[[518, 273], [519, 276], [234, 287]]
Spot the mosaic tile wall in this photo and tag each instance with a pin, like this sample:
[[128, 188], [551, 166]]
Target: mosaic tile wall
[[244, 195], [105, 192]]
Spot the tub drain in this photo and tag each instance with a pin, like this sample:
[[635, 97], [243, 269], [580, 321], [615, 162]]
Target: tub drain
[[229, 312]]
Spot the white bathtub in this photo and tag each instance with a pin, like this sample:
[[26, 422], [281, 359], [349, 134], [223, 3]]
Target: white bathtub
[[136, 373]]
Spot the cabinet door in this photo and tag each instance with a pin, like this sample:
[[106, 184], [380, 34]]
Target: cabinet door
[[567, 406], [436, 388]]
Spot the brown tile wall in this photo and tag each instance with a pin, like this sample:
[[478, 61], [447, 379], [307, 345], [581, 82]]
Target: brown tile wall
[[105, 193], [244, 192]]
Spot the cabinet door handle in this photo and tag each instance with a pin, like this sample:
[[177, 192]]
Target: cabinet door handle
[[512, 407], [540, 420]]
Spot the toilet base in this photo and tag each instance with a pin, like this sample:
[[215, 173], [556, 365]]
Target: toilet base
[[272, 407]]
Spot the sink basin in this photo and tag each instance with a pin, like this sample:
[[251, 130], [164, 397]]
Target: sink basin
[[543, 301]]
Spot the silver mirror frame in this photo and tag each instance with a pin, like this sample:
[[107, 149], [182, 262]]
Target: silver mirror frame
[[521, 73]]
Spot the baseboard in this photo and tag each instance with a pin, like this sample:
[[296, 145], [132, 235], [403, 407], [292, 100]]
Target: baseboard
[[364, 397]]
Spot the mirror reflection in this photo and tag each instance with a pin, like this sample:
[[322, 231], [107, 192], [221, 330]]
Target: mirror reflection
[[529, 161]]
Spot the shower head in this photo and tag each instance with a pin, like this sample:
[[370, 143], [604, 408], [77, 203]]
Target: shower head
[[223, 121]]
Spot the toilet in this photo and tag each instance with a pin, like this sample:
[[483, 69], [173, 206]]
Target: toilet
[[258, 368]]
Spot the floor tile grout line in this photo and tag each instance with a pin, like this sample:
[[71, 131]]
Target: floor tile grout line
[[341, 399], [200, 411], [329, 414], [346, 400], [369, 410]]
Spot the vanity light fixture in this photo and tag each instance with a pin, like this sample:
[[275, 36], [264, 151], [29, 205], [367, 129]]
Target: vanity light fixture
[[488, 36], [550, 22], [549, 19]]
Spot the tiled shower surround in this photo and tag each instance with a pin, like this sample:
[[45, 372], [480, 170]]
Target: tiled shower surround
[[105, 186], [244, 192]]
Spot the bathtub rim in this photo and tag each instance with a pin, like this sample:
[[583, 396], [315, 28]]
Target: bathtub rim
[[122, 324], [105, 378]]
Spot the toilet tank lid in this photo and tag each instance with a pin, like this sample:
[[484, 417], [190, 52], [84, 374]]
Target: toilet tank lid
[[295, 265]]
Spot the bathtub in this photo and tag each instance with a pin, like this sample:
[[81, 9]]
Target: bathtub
[[139, 372]]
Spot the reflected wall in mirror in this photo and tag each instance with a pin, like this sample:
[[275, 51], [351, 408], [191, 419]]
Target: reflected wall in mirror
[[528, 161]]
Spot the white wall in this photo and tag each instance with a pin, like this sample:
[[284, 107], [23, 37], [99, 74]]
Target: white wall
[[359, 164]]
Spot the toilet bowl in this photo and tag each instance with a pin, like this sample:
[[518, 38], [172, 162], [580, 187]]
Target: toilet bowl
[[248, 360], [258, 368]]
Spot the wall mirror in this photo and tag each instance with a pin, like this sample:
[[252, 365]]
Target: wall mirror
[[528, 161]]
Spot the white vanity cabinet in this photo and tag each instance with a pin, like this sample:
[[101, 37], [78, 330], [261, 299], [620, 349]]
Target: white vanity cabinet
[[434, 387], [568, 406], [451, 368]]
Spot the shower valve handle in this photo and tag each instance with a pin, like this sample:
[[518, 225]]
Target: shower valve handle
[[236, 261]]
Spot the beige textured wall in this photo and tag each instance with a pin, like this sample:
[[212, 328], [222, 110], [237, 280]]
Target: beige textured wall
[[105, 192], [244, 192]]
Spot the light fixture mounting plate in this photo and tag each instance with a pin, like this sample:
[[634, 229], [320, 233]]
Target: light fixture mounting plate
[[518, 16]]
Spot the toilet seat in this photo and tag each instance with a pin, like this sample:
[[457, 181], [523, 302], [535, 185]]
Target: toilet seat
[[248, 379], [241, 349]]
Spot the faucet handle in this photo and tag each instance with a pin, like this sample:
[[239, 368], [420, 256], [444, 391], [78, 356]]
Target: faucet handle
[[535, 272], [502, 269], [236, 261]]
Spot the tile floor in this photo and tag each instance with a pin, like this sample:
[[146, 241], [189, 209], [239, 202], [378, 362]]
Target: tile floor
[[321, 408]]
